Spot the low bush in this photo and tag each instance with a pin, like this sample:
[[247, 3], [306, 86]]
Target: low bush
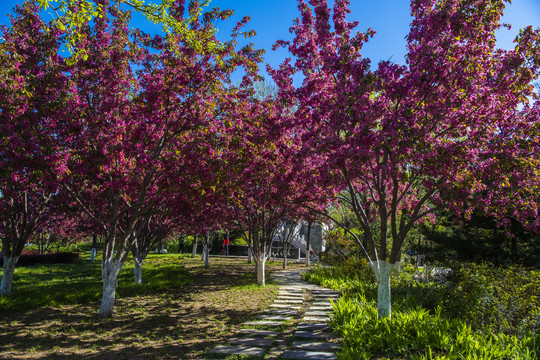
[[352, 274], [503, 299], [418, 334]]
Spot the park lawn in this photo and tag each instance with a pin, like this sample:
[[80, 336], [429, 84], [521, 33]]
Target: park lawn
[[180, 311]]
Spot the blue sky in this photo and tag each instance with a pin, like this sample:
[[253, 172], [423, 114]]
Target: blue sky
[[271, 20]]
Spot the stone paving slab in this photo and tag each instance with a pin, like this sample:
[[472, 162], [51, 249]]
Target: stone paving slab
[[292, 288], [273, 317], [325, 292], [296, 297], [315, 335], [313, 326], [317, 313], [280, 312], [257, 332], [281, 297], [257, 342], [315, 318], [321, 308], [288, 301], [308, 355], [322, 303], [317, 346], [325, 298], [291, 291], [264, 322], [238, 350], [285, 306]]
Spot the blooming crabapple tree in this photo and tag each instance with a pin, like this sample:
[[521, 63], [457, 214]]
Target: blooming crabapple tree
[[261, 180], [124, 127], [398, 142], [32, 87]]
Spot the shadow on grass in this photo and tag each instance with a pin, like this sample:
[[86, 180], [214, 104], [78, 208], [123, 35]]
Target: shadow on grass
[[156, 334], [80, 283], [181, 310]]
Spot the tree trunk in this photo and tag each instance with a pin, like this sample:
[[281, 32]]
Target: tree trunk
[[137, 270], [94, 248], [250, 256], [206, 257], [206, 251], [194, 252], [286, 248], [308, 244], [384, 299], [260, 271], [7, 277], [110, 281]]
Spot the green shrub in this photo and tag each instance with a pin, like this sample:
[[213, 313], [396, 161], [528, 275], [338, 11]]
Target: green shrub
[[502, 299], [418, 334]]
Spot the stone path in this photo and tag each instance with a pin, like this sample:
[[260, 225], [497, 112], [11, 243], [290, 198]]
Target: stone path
[[294, 327]]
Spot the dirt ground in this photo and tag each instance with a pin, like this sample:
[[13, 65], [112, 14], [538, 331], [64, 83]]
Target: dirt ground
[[182, 323]]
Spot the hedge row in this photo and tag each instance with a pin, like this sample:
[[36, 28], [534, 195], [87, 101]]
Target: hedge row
[[56, 258]]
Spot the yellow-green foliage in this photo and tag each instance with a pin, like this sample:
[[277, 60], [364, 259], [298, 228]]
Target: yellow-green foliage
[[417, 334], [505, 299]]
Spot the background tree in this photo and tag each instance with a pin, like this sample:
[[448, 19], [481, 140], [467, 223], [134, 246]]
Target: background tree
[[32, 87], [150, 230], [261, 180]]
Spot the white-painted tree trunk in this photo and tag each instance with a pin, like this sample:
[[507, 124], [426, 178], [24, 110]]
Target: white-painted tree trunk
[[383, 272], [137, 270], [308, 244], [250, 256], [194, 251], [93, 254], [110, 280], [206, 255], [260, 271], [7, 277]]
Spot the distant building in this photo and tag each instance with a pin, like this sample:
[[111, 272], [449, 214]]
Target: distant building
[[296, 232]]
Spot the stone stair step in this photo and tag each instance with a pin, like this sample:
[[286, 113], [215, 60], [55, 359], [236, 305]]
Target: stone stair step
[[238, 350], [313, 326], [264, 323], [285, 306], [288, 301], [257, 332], [308, 355], [247, 341], [273, 317], [316, 346], [315, 335]]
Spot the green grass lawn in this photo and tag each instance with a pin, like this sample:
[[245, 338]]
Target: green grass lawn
[[180, 311], [80, 283]]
